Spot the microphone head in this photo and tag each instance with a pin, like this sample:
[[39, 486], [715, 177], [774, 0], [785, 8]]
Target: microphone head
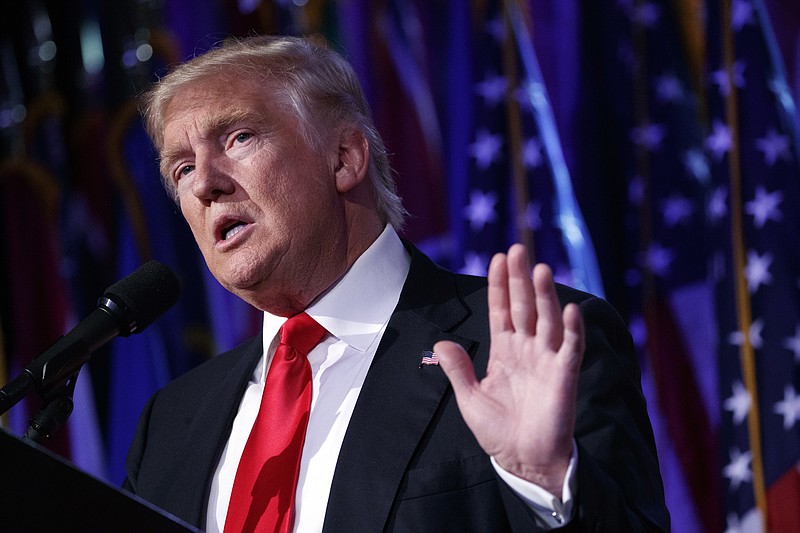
[[142, 296]]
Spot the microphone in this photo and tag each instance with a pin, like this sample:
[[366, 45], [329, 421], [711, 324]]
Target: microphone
[[128, 306]]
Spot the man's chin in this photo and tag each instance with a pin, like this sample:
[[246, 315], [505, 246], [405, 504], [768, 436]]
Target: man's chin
[[243, 288], [239, 276]]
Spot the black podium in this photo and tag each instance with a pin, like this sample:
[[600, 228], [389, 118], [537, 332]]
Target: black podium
[[40, 491]]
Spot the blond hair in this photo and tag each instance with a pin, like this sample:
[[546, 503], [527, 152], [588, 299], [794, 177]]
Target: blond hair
[[316, 82]]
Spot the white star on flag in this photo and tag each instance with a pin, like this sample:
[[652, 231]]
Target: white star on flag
[[717, 206], [532, 153], [720, 140], [764, 206], [695, 163], [757, 270], [658, 259], [531, 94], [647, 14], [738, 470], [789, 407], [638, 330], [533, 216], [732, 524], [474, 264], [650, 136], [793, 343], [738, 403], [676, 210], [774, 146], [750, 522], [741, 14], [486, 148], [721, 78], [669, 88], [754, 332], [492, 89], [636, 190], [480, 210]]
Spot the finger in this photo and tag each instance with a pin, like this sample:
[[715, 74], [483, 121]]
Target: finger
[[574, 344], [549, 326], [499, 314], [521, 291], [458, 368]]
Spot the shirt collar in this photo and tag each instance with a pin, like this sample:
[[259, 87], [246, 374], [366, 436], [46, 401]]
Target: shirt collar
[[358, 306]]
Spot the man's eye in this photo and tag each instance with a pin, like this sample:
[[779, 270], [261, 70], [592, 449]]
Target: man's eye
[[184, 170], [242, 137]]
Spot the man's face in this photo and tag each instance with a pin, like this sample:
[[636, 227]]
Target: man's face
[[261, 202]]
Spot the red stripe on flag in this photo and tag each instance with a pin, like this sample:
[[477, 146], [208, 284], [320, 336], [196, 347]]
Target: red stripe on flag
[[696, 441], [783, 503]]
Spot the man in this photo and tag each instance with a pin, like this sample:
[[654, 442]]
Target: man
[[269, 150]]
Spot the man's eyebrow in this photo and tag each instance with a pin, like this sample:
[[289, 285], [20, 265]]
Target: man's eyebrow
[[218, 122], [166, 158]]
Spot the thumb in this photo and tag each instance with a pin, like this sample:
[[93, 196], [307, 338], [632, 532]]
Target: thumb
[[457, 366]]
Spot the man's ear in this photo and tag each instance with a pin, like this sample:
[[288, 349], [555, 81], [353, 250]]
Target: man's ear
[[353, 159]]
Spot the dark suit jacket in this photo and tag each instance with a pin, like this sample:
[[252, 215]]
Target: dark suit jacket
[[408, 461]]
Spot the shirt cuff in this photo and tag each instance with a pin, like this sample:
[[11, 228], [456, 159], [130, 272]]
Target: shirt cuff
[[551, 511]]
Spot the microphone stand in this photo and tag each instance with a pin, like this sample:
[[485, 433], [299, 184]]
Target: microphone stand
[[58, 407], [126, 307], [53, 376]]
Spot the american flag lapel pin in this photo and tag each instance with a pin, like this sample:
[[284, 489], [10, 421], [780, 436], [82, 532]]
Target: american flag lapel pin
[[429, 358]]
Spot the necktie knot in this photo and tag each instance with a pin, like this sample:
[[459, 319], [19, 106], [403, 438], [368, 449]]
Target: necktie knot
[[301, 333]]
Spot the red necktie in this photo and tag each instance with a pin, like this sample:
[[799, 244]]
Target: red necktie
[[264, 488]]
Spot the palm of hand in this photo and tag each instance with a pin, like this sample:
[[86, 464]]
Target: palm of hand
[[523, 411]]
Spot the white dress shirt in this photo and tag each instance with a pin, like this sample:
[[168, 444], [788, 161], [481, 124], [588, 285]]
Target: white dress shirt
[[355, 312]]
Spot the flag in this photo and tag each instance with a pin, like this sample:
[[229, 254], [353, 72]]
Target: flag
[[508, 176], [429, 358], [753, 146], [644, 95]]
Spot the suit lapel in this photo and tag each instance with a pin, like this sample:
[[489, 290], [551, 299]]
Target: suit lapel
[[207, 432], [397, 402]]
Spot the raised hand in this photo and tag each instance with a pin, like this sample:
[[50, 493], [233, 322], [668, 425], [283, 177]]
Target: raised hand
[[523, 411]]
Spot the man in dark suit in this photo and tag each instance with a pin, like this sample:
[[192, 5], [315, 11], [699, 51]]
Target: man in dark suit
[[440, 402]]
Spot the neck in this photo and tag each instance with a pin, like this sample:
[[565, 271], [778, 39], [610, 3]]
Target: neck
[[314, 286]]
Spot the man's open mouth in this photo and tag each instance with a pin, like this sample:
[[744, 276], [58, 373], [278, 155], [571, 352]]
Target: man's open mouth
[[233, 229]]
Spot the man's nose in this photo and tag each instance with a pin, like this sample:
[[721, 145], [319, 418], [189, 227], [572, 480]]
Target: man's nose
[[212, 179]]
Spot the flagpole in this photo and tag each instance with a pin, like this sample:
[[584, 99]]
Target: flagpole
[[743, 304], [518, 174]]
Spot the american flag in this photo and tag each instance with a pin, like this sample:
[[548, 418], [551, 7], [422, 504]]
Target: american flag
[[517, 186], [755, 168], [669, 298], [429, 358], [712, 275]]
